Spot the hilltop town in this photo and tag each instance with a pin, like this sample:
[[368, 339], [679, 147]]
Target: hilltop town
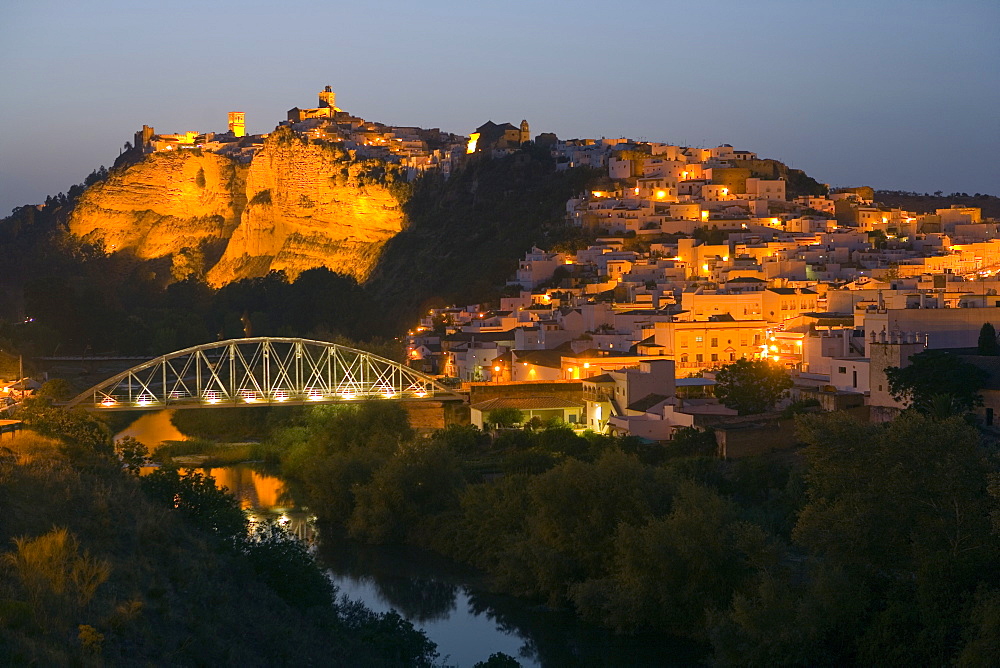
[[700, 261], [667, 393], [685, 260], [415, 149]]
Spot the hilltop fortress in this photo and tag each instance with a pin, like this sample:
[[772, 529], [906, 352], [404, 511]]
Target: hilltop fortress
[[414, 148], [323, 190]]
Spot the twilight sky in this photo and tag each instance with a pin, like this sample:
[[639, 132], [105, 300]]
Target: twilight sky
[[897, 94]]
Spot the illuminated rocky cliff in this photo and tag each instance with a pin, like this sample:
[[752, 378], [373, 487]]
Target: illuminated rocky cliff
[[169, 204], [309, 205], [297, 205]]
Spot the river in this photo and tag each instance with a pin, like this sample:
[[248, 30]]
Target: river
[[446, 600]]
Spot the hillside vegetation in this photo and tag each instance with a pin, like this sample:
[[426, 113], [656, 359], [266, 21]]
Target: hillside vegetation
[[879, 546], [463, 238], [98, 567]]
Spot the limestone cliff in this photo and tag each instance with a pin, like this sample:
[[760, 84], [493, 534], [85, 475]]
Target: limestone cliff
[[168, 204], [298, 204], [309, 205]]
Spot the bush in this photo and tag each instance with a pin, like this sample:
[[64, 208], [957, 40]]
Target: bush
[[284, 564], [196, 497], [507, 416]]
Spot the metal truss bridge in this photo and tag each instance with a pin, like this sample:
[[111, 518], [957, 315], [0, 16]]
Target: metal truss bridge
[[259, 371]]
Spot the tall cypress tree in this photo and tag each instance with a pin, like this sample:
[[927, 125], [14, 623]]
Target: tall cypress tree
[[988, 340]]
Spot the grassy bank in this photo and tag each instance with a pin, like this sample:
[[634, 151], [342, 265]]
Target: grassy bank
[[204, 453]]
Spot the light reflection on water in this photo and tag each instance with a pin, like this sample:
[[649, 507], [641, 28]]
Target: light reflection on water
[[462, 636], [152, 429], [439, 597], [443, 611]]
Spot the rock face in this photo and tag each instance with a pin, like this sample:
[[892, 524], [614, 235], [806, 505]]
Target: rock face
[[309, 205], [296, 206], [170, 203]]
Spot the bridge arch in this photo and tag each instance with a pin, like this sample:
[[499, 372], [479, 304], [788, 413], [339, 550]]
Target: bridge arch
[[259, 371]]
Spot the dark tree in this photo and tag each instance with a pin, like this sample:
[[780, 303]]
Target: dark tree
[[506, 416], [988, 340], [751, 386], [499, 660], [933, 374]]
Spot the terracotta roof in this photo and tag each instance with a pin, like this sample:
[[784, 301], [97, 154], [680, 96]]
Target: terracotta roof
[[482, 337], [547, 358], [647, 402], [599, 353], [526, 403]]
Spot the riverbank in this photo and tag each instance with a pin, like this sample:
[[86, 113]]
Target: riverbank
[[143, 585], [202, 453], [452, 603]]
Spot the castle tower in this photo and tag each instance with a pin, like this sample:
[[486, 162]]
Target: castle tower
[[889, 349], [237, 123], [525, 133], [327, 98], [144, 136]]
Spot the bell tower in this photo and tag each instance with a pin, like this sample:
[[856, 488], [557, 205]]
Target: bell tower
[[237, 123], [327, 98], [525, 133]]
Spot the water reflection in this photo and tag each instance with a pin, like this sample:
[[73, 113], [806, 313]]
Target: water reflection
[[419, 600], [152, 429], [448, 601], [401, 580], [252, 488]]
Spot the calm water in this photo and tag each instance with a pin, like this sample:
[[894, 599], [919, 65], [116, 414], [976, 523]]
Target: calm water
[[444, 599]]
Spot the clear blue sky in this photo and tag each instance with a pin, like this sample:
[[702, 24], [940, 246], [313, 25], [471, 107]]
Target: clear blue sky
[[899, 94]]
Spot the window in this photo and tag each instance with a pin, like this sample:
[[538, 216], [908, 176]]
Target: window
[[715, 343], [684, 342], [841, 369], [715, 357], [699, 339], [699, 358], [684, 359]]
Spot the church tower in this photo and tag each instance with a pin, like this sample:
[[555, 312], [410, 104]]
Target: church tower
[[525, 133], [327, 98], [237, 123]]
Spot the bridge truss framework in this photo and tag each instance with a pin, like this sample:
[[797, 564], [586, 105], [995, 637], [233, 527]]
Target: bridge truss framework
[[259, 371]]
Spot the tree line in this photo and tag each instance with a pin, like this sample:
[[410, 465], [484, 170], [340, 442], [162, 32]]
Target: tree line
[[872, 544]]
